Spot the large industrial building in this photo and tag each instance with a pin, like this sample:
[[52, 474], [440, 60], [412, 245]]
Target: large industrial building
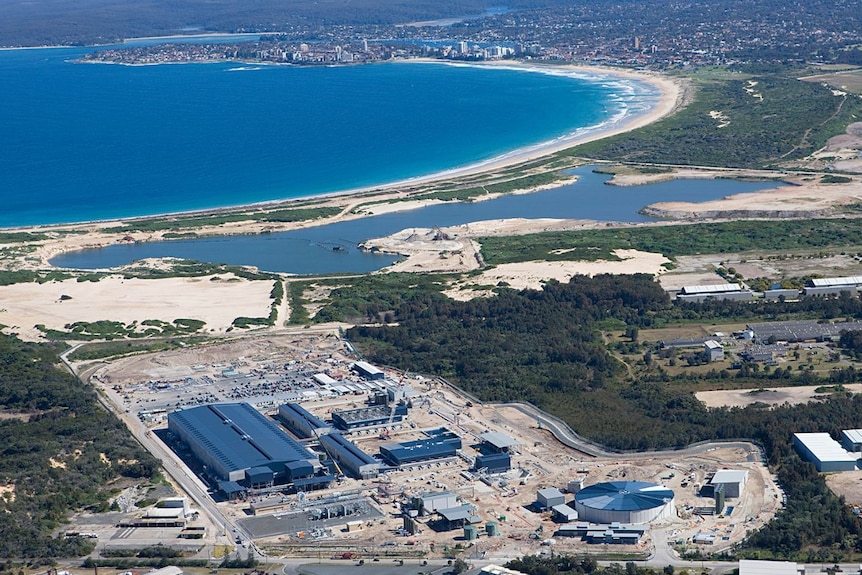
[[624, 502], [368, 371], [437, 447], [725, 291], [801, 330], [832, 286], [347, 419], [824, 452], [301, 422], [433, 502], [352, 460], [237, 443], [730, 481], [758, 567]]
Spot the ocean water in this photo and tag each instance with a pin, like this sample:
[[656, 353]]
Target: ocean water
[[81, 142]]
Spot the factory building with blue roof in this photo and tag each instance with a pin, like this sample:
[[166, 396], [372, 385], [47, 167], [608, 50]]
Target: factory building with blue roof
[[421, 450], [238, 443], [352, 460], [301, 422]]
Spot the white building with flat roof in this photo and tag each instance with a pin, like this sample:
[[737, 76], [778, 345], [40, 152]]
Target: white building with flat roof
[[824, 452], [757, 567], [851, 439], [733, 481]]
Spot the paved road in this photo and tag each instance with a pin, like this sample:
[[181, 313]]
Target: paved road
[[564, 434]]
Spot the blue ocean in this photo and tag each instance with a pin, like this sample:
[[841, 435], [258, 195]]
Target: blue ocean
[[81, 142]]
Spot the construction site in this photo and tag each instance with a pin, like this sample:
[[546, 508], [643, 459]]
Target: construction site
[[294, 445]]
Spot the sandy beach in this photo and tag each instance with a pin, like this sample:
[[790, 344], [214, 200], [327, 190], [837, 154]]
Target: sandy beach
[[455, 251]]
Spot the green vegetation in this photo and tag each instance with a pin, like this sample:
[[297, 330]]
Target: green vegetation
[[63, 421], [725, 237], [372, 298], [298, 311], [766, 118], [216, 219], [545, 347], [832, 179], [102, 350], [277, 295], [21, 237], [191, 268], [472, 188], [28, 276], [109, 330]]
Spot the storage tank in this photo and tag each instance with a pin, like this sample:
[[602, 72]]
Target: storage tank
[[625, 502], [471, 532], [492, 529]]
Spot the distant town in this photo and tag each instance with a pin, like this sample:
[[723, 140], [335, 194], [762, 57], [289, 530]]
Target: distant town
[[621, 35]]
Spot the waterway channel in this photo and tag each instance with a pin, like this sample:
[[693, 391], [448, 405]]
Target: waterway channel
[[332, 248]]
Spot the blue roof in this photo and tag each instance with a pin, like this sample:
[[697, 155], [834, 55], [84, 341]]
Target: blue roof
[[624, 496], [239, 436], [312, 420], [420, 450], [347, 449]]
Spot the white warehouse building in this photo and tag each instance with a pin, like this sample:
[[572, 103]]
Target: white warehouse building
[[851, 439], [732, 480], [824, 452]]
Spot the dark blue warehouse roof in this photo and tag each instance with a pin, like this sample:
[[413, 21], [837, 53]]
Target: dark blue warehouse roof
[[310, 418], [239, 436], [347, 449], [624, 496], [420, 450]]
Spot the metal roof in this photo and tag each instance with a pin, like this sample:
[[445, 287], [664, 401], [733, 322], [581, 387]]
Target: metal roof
[[712, 344], [624, 496], [367, 368], [729, 476], [836, 282], [324, 379], [360, 414], [823, 447], [755, 567], [549, 493], [565, 510], [456, 513], [420, 450], [853, 435], [335, 442], [498, 440], [312, 420], [715, 288], [238, 435]]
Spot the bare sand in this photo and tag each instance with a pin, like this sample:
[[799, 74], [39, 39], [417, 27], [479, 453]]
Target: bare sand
[[770, 395], [217, 302]]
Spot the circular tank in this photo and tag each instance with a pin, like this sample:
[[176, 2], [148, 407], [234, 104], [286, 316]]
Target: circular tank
[[624, 502]]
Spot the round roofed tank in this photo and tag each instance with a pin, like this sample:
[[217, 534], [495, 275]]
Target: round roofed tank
[[624, 502]]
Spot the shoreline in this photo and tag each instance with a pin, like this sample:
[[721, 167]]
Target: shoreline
[[668, 96]]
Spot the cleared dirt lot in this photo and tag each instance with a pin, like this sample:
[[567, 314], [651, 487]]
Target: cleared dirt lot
[[266, 370], [768, 395]]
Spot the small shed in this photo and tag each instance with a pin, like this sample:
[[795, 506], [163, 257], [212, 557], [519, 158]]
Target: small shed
[[713, 350], [564, 514], [549, 497]]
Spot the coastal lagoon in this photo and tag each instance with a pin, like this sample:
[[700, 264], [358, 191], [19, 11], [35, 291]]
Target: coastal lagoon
[[332, 248], [83, 142]]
